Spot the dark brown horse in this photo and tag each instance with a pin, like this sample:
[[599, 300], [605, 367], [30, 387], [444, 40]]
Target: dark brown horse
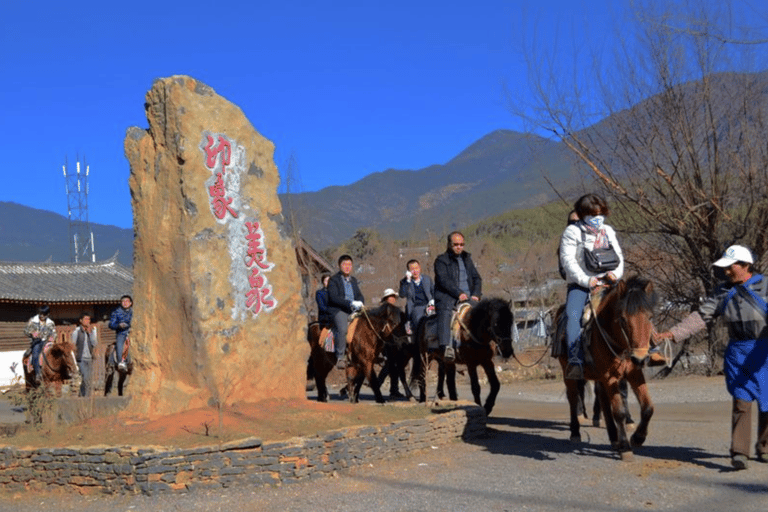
[[321, 361], [57, 364], [618, 338], [483, 328], [375, 328], [111, 368]]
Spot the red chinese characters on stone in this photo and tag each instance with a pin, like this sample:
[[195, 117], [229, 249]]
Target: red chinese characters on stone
[[219, 199], [259, 296], [224, 147], [220, 202]]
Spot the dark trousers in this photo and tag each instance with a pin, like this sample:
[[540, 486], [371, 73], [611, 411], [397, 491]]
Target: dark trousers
[[741, 437], [444, 315], [86, 372]]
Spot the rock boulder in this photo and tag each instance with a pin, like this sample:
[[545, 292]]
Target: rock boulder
[[217, 307]]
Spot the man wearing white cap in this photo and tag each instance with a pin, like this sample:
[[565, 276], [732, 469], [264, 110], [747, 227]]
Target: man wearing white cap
[[743, 304]]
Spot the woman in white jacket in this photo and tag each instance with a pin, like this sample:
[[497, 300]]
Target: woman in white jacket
[[590, 233]]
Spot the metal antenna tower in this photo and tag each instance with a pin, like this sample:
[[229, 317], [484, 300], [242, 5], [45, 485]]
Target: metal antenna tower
[[80, 235]]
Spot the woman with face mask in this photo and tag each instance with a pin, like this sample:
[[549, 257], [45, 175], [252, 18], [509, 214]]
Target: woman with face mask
[[589, 233]]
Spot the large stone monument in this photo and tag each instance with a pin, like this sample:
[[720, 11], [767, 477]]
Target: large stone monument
[[217, 306]]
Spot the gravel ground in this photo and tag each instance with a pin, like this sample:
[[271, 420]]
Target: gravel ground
[[525, 462]]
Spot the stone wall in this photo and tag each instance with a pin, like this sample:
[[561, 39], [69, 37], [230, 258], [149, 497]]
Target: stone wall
[[250, 462]]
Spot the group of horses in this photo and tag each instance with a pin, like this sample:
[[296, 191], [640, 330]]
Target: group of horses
[[58, 365], [616, 339]]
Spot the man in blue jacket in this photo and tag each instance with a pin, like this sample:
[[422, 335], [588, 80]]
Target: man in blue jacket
[[120, 322], [456, 280], [344, 297]]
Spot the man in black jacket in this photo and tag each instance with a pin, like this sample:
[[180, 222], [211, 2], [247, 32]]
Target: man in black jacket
[[456, 280], [344, 297]]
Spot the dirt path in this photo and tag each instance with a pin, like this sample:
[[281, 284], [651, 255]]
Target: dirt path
[[525, 462]]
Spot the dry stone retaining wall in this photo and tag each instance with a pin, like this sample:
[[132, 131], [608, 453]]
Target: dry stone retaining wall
[[247, 462]]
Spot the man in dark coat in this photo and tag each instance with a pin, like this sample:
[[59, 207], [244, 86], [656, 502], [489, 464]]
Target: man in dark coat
[[456, 280], [344, 297]]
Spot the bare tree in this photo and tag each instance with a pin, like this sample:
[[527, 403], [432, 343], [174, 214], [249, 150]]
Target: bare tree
[[679, 147]]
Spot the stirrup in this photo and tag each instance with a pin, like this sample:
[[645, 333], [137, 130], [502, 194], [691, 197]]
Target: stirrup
[[574, 371]]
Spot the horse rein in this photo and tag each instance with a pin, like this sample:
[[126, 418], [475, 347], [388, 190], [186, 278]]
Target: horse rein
[[628, 351], [370, 324]]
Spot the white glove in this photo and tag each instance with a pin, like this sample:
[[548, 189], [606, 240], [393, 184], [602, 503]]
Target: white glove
[[356, 304], [408, 275], [431, 303]]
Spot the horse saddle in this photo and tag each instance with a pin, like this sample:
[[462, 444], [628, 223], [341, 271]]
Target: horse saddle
[[430, 332], [559, 344], [327, 340], [41, 358], [459, 320], [353, 320]]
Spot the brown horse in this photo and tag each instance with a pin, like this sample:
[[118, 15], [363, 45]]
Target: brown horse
[[618, 338], [371, 330], [375, 328], [486, 326], [57, 364]]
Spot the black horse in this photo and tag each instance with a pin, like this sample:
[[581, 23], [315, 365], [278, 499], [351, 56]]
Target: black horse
[[482, 328]]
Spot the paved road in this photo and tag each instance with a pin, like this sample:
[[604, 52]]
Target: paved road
[[525, 462]]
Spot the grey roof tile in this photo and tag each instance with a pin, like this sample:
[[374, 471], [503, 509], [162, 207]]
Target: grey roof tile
[[64, 282]]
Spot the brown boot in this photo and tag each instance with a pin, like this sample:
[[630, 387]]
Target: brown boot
[[657, 359]]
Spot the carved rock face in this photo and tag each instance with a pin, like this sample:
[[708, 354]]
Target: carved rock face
[[217, 305]]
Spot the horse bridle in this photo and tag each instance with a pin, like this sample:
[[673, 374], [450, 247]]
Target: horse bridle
[[607, 339], [494, 335], [376, 332]]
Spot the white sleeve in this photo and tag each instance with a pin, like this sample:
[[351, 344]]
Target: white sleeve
[[570, 246]]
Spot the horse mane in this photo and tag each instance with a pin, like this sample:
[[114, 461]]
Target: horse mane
[[483, 312], [386, 311], [636, 297]]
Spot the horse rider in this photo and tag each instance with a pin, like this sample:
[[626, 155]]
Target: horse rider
[[418, 290], [588, 233], [456, 280], [344, 298], [321, 298], [40, 330], [120, 322], [743, 303]]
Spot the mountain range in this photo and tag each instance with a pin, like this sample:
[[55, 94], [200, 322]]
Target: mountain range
[[502, 171], [30, 234]]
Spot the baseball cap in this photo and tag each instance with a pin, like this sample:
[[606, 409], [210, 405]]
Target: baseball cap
[[733, 254]]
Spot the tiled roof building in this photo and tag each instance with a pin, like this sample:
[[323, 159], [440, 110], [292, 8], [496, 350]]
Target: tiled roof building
[[68, 288]]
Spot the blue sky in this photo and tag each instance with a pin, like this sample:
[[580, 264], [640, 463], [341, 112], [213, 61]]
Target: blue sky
[[348, 88]]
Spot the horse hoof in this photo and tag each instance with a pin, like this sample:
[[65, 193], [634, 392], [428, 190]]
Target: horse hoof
[[615, 446], [636, 440], [627, 456], [576, 439]]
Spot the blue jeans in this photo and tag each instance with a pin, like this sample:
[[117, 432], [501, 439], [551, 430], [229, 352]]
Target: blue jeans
[[574, 308], [119, 344], [37, 347], [86, 374]]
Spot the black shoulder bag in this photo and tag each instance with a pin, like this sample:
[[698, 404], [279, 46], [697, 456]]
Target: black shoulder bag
[[600, 260]]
